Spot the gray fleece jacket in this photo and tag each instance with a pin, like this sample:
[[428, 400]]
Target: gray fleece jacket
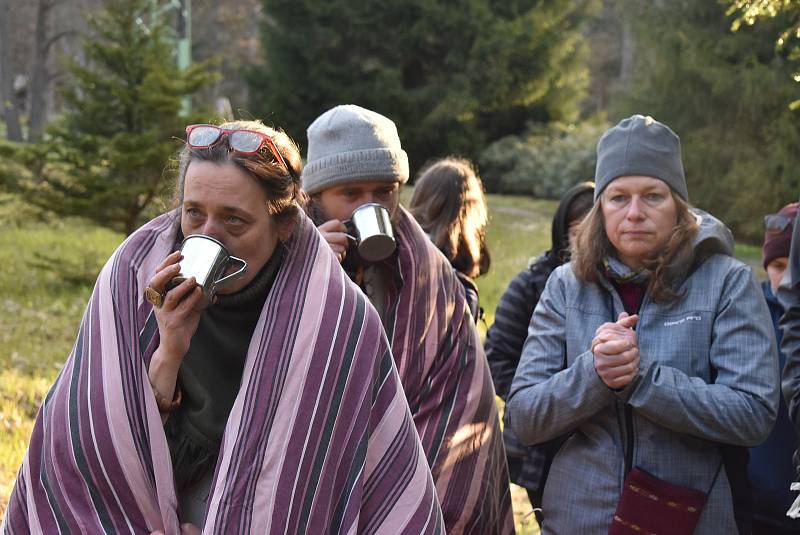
[[708, 375]]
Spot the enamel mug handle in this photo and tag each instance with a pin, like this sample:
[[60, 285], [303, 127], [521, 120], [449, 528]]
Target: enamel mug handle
[[236, 274]]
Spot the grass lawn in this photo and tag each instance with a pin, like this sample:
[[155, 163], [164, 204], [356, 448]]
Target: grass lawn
[[519, 228], [48, 267], [40, 313]]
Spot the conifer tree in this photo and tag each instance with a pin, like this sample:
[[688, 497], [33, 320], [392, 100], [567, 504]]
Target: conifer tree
[[105, 158], [454, 76], [748, 12], [725, 93]]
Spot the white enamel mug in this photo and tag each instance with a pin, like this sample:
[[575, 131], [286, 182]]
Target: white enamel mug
[[207, 260]]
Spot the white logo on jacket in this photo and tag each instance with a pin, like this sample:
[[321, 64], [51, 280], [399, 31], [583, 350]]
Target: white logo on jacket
[[683, 320]]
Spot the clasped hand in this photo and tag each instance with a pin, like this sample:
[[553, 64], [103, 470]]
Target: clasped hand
[[616, 352]]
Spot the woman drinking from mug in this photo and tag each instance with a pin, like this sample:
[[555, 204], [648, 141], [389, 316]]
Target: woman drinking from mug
[[653, 350], [273, 406]]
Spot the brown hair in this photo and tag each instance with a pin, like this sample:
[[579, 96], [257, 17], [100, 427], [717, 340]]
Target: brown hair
[[281, 185], [449, 204], [667, 269]]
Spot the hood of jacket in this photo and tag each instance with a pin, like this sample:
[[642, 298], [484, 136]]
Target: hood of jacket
[[713, 237], [559, 238]]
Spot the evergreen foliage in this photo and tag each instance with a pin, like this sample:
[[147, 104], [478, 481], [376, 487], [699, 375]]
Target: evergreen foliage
[[750, 11], [725, 94], [454, 76], [15, 159], [545, 161], [105, 158]]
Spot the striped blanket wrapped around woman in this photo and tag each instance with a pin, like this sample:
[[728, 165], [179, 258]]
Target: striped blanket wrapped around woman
[[319, 440], [446, 379]]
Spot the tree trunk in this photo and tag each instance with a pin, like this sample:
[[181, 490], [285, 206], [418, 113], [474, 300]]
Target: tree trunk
[[628, 43], [8, 100], [37, 103]]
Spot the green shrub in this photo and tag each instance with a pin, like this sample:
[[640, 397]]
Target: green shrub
[[544, 162], [15, 161]]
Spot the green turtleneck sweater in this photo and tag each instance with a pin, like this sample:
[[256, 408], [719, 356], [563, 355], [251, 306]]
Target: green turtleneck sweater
[[211, 373]]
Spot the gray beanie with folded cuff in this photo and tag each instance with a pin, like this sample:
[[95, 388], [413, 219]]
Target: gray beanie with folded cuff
[[640, 146], [352, 144]]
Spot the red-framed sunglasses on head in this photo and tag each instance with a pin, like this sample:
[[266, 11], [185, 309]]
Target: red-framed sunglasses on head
[[204, 136]]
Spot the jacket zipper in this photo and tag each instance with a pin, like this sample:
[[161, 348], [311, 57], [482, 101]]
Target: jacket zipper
[[629, 439]]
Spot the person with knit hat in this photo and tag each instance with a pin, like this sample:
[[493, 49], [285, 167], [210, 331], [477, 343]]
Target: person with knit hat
[[652, 351], [355, 158], [770, 466], [777, 243]]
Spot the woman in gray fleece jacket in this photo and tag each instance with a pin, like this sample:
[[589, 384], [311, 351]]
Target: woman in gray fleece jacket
[[653, 349]]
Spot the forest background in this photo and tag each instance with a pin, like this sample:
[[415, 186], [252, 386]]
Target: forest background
[[95, 94], [94, 100]]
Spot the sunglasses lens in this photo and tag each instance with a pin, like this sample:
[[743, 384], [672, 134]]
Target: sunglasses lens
[[203, 136], [243, 141], [776, 222]]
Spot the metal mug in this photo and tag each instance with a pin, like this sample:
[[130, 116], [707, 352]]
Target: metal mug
[[372, 231], [207, 260]]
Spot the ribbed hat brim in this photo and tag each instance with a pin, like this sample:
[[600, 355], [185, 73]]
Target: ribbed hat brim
[[353, 166]]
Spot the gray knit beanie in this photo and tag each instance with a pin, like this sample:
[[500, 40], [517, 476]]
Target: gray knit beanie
[[349, 144], [642, 146]]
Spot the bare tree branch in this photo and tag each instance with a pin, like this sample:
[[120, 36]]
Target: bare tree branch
[[47, 6], [55, 38]]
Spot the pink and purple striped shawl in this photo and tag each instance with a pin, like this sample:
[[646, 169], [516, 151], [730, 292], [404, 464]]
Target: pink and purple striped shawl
[[320, 438], [446, 379]]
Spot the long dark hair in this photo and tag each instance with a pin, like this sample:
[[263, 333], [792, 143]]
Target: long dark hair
[[449, 204]]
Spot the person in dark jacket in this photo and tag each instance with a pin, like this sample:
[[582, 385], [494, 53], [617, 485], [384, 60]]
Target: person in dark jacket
[[449, 204], [527, 464], [770, 467]]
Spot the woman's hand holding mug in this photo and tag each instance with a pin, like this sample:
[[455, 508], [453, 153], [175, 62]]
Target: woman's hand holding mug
[[179, 314], [177, 318]]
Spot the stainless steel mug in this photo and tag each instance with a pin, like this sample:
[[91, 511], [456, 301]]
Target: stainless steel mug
[[372, 231], [207, 260]]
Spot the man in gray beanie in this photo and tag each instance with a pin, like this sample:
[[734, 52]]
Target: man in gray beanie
[[354, 158], [352, 144]]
